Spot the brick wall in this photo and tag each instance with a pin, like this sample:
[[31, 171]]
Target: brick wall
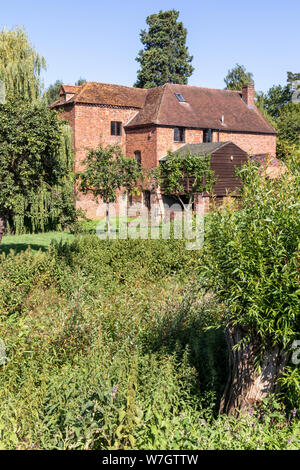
[[165, 140], [251, 143], [91, 128], [145, 141]]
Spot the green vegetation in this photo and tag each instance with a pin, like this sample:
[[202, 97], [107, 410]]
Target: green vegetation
[[278, 107], [36, 241], [252, 265], [185, 175], [120, 344], [20, 65], [106, 172], [36, 161], [108, 349], [237, 77], [165, 57]]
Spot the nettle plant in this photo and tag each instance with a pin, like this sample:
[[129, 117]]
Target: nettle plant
[[252, 263]]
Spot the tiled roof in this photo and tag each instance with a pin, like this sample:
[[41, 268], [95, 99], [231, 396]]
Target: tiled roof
[[203, 108], [70, 89], [105, 94], [198, 149]]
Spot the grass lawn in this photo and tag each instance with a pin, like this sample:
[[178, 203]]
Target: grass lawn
[[39, 241]]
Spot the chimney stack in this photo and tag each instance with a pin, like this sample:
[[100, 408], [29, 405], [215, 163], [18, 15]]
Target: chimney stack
[[248, 94]]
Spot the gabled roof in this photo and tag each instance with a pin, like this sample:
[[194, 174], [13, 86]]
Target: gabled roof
[[69, 89], [203, 108], [105, 94], [200, 149]]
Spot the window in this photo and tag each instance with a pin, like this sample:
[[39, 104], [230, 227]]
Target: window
[[207, 135], [138, 157], [115, 128], [180, 97], [179, 134]]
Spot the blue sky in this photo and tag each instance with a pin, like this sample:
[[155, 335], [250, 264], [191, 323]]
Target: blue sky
[[99, 40]]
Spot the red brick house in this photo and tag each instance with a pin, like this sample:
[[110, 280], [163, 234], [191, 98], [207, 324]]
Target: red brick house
[[149, 123]]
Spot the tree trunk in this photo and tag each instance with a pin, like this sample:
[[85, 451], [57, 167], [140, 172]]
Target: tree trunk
[[245, 386], [3, 223], [107, 218]]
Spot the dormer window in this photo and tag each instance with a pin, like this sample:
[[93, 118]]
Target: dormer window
[[115, 128], [180, 97], [179, 134], [207, 135]]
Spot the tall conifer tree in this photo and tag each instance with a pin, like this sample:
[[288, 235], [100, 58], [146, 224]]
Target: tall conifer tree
[[165, 57]]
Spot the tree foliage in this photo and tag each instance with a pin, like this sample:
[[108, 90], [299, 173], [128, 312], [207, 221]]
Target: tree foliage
[[185, 175], [275, 99], [288, 124], [237, 77], [253, 255], [106, 171], [279, 108], [36, 160], [52, 93], [36, 167], [20, 65], [252, 262], [165, 57]]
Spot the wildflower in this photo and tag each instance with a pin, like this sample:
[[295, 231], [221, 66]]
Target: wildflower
[[290, 440], [114, 391], [294, 413]]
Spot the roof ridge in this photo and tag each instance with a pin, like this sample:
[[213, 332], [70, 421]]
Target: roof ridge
[[116, 84], [204, 87]]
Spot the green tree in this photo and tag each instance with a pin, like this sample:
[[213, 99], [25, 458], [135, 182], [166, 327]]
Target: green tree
[[107, 171], [185, 176], [292, 77], [36, 168], [237, 77], [52, 93], [275, 99], [252, 265], [288, 124], [20, 65], [165, 57], [80, 82]]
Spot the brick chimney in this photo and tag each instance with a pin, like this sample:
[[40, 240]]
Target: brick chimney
[[248, 94]]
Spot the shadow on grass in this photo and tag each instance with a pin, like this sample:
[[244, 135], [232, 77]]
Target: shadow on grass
[[19, 247], [184, 327]]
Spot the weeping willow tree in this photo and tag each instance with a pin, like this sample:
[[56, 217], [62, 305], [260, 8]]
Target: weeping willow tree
[[36, 169], [36, 161], [20, 65]]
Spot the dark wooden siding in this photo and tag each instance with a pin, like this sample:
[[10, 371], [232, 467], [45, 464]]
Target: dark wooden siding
[[224, 168]]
